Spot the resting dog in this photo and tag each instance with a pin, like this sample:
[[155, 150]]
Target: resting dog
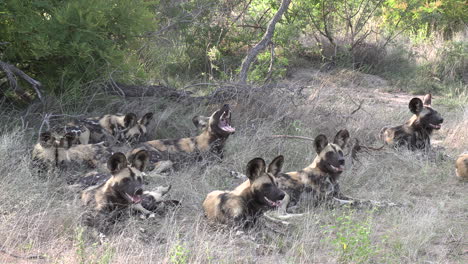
[[52, 151], [216, 129], [461, 165], [122, 190], [415, 134], [320, 177], [245, 203], [110, 128]]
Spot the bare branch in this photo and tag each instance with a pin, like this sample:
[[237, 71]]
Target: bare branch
[[288, 136], [252, 54], [11, 73]]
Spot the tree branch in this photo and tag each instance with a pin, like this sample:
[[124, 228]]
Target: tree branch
[[252, 54], [11, 73]]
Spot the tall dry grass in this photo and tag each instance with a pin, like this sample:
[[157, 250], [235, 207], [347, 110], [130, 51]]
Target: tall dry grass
[[41, 216]]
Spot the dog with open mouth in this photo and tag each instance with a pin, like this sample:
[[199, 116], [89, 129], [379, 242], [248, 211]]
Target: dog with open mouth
[[416, 133], [110, 195], [215, 130], [245, 203], [320, 177]]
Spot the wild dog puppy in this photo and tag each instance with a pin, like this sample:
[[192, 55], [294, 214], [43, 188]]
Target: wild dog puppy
[[156, 163], [320, 177], [415, 133], [45, 153], [92, 155], [80, 131], [461, 166], [119, 127], [245, 203], [215, 131]]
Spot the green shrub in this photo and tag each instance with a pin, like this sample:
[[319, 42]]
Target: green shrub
[[70, 43]]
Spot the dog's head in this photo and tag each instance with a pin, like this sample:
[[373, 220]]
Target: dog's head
[[47, 140], [424, 115], [263, 182], [219, 123], [127, 175], [330, 155], [136, 131]]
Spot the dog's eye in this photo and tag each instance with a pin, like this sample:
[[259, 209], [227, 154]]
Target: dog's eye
[[340, 152], [126, 180]]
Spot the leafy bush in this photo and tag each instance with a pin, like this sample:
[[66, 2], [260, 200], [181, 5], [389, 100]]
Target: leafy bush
[[70, 43]]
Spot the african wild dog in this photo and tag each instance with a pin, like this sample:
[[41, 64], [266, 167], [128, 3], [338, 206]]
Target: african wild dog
[[215, 131], [415, 133], [53, 151], [80, 131], [320, 177], [123, 190], [246, 202], [46, 152], [462, 166], [112, 128]]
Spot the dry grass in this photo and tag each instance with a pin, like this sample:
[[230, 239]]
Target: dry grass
[[40, 216]]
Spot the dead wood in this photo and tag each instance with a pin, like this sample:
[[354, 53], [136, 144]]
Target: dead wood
[[12, 73]]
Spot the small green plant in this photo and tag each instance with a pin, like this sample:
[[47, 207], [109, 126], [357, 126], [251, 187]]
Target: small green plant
[[352, 239], [104, 257], [80, 245], [179, 254]]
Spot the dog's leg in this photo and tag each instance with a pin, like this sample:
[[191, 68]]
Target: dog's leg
[[274, 220], [144, 213], [282, 210]]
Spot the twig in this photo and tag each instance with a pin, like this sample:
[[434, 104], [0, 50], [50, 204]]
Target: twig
[[21, 257], [288, 136], [11, 71]]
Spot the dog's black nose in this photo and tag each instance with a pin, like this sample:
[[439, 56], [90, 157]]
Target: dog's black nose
[[441, 120], [341, 161], [139, 192]]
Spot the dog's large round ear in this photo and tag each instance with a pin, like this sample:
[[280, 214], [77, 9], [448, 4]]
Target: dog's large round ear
[[276, 165], [255, 168], [320, 142], [415, 106], [201, 122], [130, 120], [427, 100], [67, 140], [139, 160], [341, 138], [117, 162], [146, 119], [46, 139]]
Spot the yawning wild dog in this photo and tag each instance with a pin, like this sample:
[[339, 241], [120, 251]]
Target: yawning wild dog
[[415, 133], [245, 203], [215, 131], [462, 166], [320, 177], [110, 128]]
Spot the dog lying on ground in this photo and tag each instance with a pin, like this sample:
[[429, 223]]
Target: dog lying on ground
[[215, 130], [112, 129], [123, 190], [320, 177], [416, 133], [246, 202], [461, 165]]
